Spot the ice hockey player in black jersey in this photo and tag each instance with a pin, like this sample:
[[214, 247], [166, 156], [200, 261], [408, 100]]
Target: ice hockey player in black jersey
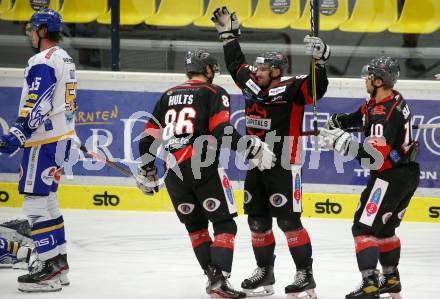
[[390, 152], [274, 108], [191, 122]]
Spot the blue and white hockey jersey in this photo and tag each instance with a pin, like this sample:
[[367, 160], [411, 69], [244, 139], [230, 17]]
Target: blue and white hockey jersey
[[48, 99]]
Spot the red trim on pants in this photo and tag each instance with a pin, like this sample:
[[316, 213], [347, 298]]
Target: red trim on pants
[[199, 237], [224, 241], [388, 244], [262, 239], [364, 242], [297, 238]]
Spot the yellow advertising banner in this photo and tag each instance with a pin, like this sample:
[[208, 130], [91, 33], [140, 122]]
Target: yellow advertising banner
[[316, 205]]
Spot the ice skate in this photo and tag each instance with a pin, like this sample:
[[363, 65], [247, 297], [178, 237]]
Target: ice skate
[[218, 286], [260, 283], [389, 286], [369, 287], [303, 286], [64, 268], [44, 277]]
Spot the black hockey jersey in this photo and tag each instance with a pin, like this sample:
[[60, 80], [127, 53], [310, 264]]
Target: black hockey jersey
[[185, 112], [390, 119], [278, 110]]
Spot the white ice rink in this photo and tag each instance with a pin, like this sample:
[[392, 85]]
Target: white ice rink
[[127, 255]]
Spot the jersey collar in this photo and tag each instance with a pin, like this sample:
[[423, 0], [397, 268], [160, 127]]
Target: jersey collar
[[373, 101]]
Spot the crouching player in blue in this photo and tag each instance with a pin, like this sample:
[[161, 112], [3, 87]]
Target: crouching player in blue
[[15, 244], [44, 127]]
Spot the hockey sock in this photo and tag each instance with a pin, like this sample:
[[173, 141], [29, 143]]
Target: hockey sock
[[263, 240], [45, 237], [263, 245], [367, 252], [300, 247], [222, 250], [389, 253], [201, 242], [60, 235], [54, 211]]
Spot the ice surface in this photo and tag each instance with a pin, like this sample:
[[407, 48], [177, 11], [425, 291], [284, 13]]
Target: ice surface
[[127, 255]]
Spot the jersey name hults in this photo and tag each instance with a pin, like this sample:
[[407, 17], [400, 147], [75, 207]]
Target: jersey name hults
[[180, 99]]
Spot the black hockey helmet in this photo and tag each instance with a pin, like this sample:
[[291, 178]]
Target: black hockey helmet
[[385, 68], [273, 59], [196, 61]]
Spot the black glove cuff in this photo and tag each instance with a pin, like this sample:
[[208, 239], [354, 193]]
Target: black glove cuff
[[230, 34]]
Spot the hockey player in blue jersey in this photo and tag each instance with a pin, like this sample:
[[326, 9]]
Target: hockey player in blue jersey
[[44, 128]]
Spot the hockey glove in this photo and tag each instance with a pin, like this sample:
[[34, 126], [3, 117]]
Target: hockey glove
[[404, 154], [226, 23], [259, 154], [335, 121], [317, 48], [147, 180], [15, 139], [335, 139]]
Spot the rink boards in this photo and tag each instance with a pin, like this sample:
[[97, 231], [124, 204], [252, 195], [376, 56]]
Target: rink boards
[[318, 205], [108, 101]]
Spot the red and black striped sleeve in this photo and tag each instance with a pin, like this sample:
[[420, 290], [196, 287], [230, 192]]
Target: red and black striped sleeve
[[220, 116]]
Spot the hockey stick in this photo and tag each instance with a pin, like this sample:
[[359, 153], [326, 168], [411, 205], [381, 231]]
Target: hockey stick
[[354, 130], [111, 164], [314, 28], [106, 161]]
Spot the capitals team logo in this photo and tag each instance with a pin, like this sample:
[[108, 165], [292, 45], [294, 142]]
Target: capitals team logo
[[277, 200], [247, 197], [297, 190], [228, 189], [48, 175], [185, 208], [372, 204], [254, 112], [211, 204]]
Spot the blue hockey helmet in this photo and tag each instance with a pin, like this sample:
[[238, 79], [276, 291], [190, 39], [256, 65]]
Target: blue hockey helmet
[[46, 17]]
